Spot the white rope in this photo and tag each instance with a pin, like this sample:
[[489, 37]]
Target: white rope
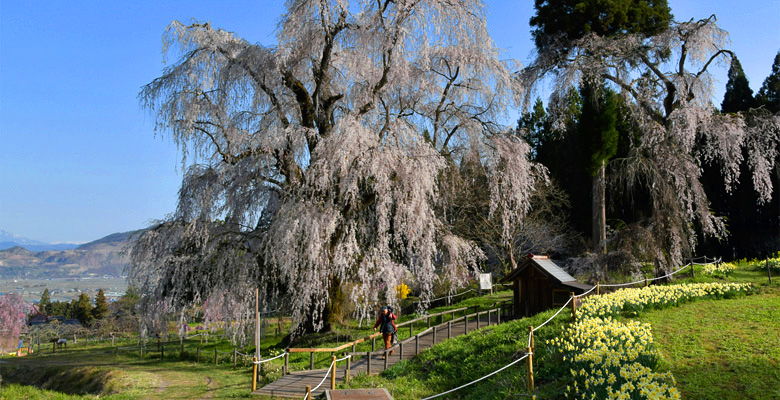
[[714, 260], [323, 379], [591, 289], [624, 284], [486, 376], [268, 359], [342, 359], [556, 314], [670, 274], [548, 320]]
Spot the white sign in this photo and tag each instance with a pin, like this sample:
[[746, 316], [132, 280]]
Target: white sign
[[485, 282]]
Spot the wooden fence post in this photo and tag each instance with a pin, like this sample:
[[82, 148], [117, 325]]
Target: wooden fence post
[[416, 345], [466, 324], [308, 392], [373, 342], [411, 332], [333, 373], [449, 329], [216, 357], [140, 353], [768, 271], [235, 357], [385, 357], [400, 351], [692, 268], [349, 366], [286, 369], [530, 365], [573, 306], [197, 355], [598, 288], [429, 321], [368, 363], [254, 374], [311, 361], [531, 334]]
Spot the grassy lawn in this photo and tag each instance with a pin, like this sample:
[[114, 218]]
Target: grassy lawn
[[95, 372], [726, 349]]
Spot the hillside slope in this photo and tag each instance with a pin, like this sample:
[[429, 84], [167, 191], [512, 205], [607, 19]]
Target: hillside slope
[[104, 256]]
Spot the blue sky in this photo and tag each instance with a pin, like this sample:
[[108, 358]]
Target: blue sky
[[79, 159]]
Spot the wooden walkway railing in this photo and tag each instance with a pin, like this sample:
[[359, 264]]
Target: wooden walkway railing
[[293, 384]]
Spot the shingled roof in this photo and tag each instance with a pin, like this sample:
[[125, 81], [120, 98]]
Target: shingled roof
[[547, 267]]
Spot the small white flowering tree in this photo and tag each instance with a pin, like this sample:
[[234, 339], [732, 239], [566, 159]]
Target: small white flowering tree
[[666, 80], [313, 166]]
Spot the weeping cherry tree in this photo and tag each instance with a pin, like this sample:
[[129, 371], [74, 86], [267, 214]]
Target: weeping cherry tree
[[665, 78], [313, 166]]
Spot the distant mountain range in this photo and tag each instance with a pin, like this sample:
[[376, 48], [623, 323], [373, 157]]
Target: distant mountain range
[[8, 240], [101, 257]]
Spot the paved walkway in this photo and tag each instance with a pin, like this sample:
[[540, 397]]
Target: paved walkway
[[294, 384]]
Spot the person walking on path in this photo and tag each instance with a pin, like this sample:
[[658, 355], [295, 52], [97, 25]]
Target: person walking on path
[[386, 324]]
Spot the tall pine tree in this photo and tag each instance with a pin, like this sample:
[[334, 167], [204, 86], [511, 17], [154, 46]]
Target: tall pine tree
[[598, 128], [44, 306], [739, 95], [769, 94], [101, 306], [82, 309]]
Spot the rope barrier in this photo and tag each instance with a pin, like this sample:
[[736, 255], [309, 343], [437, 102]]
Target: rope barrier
[[714, 260], [269, 359], [623, 284], [323, 379], [672, 273], [548, 320], [477, 380], [591, 289]]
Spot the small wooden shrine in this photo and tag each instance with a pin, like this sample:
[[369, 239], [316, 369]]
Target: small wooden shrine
[[538, 284]]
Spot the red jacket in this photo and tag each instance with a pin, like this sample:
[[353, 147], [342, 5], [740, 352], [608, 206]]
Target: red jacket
[[392, 321]]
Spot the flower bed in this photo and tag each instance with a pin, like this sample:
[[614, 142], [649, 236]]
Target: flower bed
[[610, 359], [722, 269]]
